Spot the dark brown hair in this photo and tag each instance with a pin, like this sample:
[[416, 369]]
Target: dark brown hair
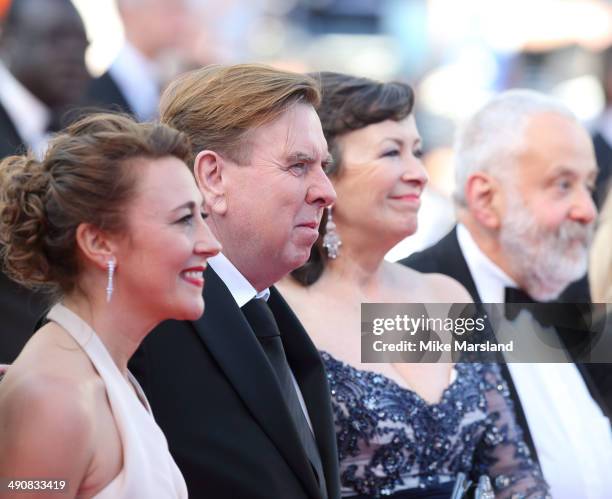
[[217, 105], [88, 175], [349, 103]]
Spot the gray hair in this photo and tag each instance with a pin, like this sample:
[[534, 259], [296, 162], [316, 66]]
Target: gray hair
[[491, 139]]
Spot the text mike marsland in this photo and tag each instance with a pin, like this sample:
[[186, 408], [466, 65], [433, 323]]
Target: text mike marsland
[[439, 346]]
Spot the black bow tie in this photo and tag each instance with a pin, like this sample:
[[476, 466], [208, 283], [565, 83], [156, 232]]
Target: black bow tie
[[516, 300], [516, 295]]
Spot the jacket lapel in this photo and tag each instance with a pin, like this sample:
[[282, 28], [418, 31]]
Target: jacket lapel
[[452, 263], [307, 366], [229, 338]]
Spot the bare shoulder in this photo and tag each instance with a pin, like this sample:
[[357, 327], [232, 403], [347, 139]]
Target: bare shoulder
[[47, 412], [48, 426], [37, 397], [433, 288]]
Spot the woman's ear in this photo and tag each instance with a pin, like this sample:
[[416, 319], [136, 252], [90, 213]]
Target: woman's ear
[[95, 245], [209, 169], [484, 199]]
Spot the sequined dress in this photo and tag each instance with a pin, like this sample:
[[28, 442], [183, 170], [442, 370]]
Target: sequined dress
[[391, 440]]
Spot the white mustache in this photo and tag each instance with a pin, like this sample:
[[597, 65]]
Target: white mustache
[[571, 231]]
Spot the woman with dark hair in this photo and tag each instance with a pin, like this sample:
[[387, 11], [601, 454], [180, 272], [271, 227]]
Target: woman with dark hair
[[404, 430], [110, 224]]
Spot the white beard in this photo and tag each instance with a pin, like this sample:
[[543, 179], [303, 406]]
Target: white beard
[[544, 261]]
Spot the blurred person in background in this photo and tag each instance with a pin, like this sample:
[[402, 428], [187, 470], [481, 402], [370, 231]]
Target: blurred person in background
[[403, 430], [602, 136], [42, 74], [525, 171], [600, 279], [134, 81], [110, 223], [600, 262], [42, 71]]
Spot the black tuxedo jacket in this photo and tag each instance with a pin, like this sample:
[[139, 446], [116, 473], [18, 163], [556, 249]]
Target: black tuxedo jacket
[[19, 307], [446, 257], [215, 396], [104, 93]]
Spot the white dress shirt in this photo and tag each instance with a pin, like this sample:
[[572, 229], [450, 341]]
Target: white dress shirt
[[571, 435], [28, 114], [137, 78], [242, 291]]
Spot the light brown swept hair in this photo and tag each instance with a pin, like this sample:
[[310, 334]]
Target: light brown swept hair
[[217, 105]]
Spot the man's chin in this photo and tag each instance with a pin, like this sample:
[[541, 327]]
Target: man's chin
[[299, 258], [548, 287]]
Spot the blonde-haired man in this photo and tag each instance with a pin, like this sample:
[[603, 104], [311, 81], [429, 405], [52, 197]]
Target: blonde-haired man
[[241, 393]]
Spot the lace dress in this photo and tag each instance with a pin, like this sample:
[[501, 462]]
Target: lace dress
[[391, 440]]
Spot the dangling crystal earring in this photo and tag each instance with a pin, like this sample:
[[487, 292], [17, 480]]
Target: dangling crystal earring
[[110, 265], [331, 239]]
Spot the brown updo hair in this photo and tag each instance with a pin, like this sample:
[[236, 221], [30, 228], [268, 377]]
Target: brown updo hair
[[88, 175], [349, 103]]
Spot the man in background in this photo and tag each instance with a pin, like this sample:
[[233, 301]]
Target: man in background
[[42, 76], [42, 71], [525, 171], [602, 136], [134, 81]]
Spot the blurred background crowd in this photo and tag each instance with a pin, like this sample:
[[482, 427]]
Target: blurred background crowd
[[455, 54]]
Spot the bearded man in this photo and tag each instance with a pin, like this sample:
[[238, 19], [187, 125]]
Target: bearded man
[[525, 172]]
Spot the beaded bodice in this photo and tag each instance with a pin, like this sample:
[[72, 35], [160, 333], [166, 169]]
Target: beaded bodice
[[390, 439]]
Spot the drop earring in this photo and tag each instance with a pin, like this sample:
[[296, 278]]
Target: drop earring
[[331, 239], [110, 266]]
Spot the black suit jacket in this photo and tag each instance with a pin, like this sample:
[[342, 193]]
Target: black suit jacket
[[446, 257], [215, 396], [10, 141], [19, 307], [104, 93]]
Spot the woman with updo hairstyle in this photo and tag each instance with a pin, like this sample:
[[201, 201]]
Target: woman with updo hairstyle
[[110, 225], [404, 430]]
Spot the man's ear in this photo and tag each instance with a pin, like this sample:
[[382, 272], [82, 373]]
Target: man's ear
[[95, 245], [484, 197], [209, 169]]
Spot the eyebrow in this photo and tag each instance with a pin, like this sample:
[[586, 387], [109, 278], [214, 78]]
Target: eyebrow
[[562, 171], [190, 205], [401, 142], [307, 158], [301, 156]]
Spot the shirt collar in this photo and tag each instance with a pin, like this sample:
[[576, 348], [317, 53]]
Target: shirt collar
[[28, 114], [242, 291], [489, 279]]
